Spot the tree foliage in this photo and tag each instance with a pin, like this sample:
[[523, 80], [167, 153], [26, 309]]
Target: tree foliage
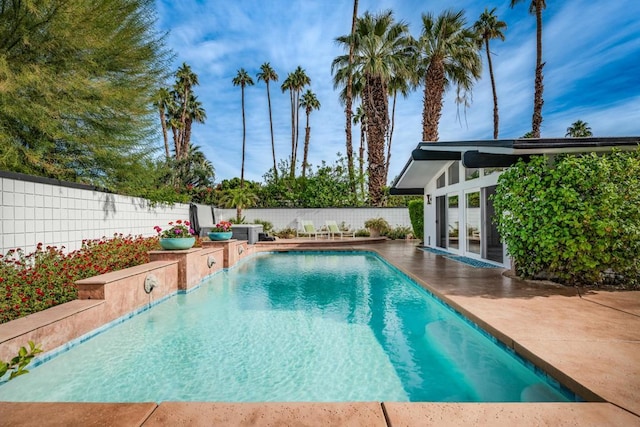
[[576, 220], [76, 81], [416, 214]]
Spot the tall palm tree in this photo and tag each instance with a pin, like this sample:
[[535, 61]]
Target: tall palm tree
[[295, 83], [195, 113], [399, 84], [349, 101], [185, 80], [162, 100], [489, 27], [361, 118], [309, 102], [579, 129], [381, 50], [243, 79], [267, 74], [448, 56], [536, 7]]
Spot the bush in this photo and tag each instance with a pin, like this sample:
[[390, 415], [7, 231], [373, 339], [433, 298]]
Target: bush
[[286, 233], [576, 221], [46, 277], [266, 225], [362, 233], [416, 214], [399, 233]]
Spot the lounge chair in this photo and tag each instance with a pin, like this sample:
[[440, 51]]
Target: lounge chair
[[334, 230], [308, 229], [202, 218]]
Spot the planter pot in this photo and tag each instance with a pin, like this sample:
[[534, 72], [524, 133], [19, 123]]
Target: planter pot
[[374, 232], [220, 235], [178, 243]]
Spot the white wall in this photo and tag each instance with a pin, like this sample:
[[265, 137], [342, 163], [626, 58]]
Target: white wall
[[353, 217], [39, 210], [62, 214]]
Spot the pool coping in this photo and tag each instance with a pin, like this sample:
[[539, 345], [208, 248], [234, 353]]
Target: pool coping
[[612, 410]]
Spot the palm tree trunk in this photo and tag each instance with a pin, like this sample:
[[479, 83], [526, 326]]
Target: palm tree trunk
[[536, 120], [393, 122], [273, 145], [361, 159], [377, 121], [295, 149], [433, 93], [493, 88], [293, 135], [307, 136], [243, 143], [349, 102]]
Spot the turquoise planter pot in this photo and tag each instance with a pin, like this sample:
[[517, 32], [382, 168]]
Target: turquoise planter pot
[[179, 243], [220, 235]]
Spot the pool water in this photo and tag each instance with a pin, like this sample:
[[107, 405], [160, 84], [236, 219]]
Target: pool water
[[290, 327]]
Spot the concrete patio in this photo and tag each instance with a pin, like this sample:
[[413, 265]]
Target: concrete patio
[[589, 342]]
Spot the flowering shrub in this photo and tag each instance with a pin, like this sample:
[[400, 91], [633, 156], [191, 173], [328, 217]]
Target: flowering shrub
[[222, 226], [178, 229], [44, 278]]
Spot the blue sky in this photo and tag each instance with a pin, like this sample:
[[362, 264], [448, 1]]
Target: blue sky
[[592, 73]]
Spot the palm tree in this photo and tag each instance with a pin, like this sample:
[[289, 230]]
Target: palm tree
[[489, 27], [267, 74], [399, 84], [579, 129], [243, 79], [295, 82], [381, 51], [361, 118], [239, 198], [162, 100], [349, 100], [448, 55], [309, 102], [195, 113], [536, 7], [185, 80]]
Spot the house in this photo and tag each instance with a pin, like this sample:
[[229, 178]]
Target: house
[[458, 178]]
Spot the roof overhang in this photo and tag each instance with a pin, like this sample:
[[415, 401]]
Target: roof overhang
[[428, 158]]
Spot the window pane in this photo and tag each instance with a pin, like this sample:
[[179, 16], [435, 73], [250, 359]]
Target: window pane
[[440, 182], [473, 222], [453, 217], [454, 173], [471, 173]]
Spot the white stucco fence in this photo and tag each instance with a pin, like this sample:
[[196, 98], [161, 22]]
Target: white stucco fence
[[40, 210]]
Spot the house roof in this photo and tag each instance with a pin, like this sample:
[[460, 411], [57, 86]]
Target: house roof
[[428, 158]]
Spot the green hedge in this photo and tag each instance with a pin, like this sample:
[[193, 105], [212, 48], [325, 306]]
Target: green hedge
[[416, 214], [576, 220]]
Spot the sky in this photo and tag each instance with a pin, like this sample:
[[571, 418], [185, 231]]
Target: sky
[[592, 73]]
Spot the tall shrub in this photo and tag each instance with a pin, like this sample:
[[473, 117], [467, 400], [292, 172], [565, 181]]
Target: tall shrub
[[576, 220], [416, 215]]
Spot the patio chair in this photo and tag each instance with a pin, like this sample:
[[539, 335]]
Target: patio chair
[[308, 229], [334, 230]]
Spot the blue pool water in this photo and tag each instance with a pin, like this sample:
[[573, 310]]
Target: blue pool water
[[290, 327]]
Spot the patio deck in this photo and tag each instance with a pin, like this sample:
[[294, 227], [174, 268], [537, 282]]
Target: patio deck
[[591, 342]]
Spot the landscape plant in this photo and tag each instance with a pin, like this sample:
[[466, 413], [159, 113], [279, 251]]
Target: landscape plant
[[176, 230], [36, 281], [575, 220], [416, 215], [17, 365]]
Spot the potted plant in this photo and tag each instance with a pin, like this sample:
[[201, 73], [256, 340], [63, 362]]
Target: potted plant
[[377, 226], [222, 231], [179, 236]]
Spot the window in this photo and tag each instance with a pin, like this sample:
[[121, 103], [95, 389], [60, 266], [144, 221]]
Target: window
[[473, 215], [453, 221], [440, 182], [454, 173], [471, 173]]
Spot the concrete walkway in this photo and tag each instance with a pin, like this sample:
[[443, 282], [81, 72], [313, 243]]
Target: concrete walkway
[[590, 342]]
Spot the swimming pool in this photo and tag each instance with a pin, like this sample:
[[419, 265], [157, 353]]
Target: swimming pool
[[290, 327]]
